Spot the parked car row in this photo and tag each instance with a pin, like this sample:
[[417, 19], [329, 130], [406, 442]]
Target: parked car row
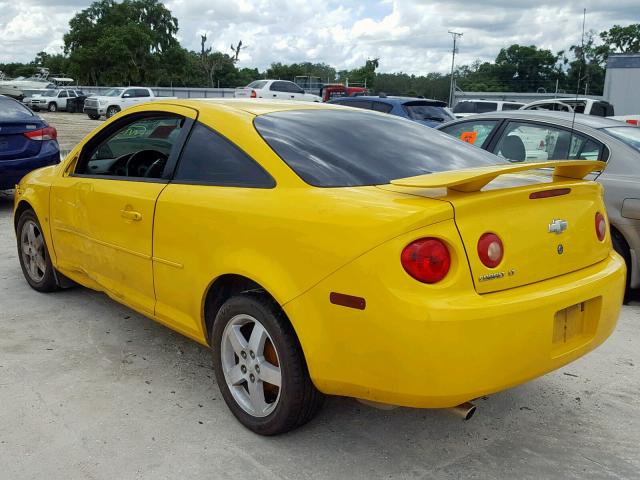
[[66, 99], [587, 106]]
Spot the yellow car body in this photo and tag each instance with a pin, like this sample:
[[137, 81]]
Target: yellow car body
[[164, 249]]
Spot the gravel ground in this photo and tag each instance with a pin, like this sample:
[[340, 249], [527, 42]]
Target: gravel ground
[[91, 390]]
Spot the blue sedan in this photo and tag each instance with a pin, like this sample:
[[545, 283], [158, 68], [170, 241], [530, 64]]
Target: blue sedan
[[422, 110], [26, 142]]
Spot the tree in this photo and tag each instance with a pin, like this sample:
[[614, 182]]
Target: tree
[[620, 40], [118, 42]]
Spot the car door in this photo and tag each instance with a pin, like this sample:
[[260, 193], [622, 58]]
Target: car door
[[279, 89], [214, 182], [129, 97], [62, 99], [102, 207], [523, 141]]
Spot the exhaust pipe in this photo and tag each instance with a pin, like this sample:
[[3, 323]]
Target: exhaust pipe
[[464, 410]]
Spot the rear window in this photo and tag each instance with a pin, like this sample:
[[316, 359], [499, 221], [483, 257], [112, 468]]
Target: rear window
[[257, 84], [341, 148], [427, 111], [12, 110]]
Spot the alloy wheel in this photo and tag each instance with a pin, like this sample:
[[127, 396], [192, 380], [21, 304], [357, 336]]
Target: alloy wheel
[[33, 251], [250, 365]]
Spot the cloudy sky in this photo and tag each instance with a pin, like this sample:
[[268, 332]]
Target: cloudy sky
[[407, 35]]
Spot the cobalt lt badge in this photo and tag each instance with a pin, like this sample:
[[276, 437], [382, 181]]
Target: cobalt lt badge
[[560, 249]]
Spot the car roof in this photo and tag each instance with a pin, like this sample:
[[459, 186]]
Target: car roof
[[254, 106], [387, 99], [483, 100], [565, 118]]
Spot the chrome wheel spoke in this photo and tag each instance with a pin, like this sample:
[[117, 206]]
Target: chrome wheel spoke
[[256, 397], [257, 339], [237, 340], [235, 376], [40, 263], [33, 269], [38, 242], [31, 234], [270, 373]]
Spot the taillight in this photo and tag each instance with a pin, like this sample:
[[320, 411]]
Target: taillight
[[253, 94], [46, 133], [601, 226], [427, 260], [490, 250], [633, 122]]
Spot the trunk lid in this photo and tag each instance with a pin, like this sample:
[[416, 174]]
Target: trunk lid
[[536, 246], [14, 144]]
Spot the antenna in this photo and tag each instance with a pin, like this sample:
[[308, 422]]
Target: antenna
[[573, 121]]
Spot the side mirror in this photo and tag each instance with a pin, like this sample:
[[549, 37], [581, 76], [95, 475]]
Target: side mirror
[[126, 95]]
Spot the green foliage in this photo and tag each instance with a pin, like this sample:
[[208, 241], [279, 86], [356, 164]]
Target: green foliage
[[280, 71]]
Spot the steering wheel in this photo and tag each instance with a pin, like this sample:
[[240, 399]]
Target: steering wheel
[[140, 162]]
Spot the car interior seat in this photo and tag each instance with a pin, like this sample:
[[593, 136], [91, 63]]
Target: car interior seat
[[512, 148]]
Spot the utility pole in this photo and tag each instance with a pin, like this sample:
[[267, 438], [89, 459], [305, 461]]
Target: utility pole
[[453, 62]]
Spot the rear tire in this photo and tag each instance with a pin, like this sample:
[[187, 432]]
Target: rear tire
[[33, 254], [53, 107], [620, 246], [238, 357]]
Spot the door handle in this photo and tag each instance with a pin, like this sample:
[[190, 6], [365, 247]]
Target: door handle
[[131, 215], [275, 95]]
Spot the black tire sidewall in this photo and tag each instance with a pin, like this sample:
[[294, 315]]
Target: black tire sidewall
[[48, 282], [111, 111], [289, 356], [52, 107], [620, 246]]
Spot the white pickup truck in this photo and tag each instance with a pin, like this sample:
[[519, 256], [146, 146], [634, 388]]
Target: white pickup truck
[[117, 99]]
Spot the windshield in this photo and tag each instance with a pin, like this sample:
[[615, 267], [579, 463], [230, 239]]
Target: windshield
[[629, 135], [48, 93], [340, 148], [114, 92], [427, 111]]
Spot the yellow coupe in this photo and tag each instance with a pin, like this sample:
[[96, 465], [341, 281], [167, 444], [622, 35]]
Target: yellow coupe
[[319, 249]]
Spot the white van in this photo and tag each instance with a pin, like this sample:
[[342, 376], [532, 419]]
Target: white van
[[464, 108]]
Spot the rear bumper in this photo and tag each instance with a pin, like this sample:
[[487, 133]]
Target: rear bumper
[[12, 171], [419, 351]]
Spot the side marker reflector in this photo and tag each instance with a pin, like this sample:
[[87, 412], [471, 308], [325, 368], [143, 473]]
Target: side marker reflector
[[347, 300]]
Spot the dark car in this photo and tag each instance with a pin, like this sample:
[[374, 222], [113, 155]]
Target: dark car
[[76, 104], [422, 110], [26, 142]]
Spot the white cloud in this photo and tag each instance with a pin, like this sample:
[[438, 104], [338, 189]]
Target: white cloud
[[407, 35]]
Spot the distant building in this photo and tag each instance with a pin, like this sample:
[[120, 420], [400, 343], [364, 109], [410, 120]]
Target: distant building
[[622, 83]]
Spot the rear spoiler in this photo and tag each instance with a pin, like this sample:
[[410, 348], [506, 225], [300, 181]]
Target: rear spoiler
[[473, 179]]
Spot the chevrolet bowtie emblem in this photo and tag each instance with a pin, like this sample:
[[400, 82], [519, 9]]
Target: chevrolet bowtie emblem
[[558, 226]]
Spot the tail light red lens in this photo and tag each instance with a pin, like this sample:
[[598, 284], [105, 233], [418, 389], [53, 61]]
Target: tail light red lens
[[490, 250], [47, 133], [601, 226], [253, 94], [427, 260]]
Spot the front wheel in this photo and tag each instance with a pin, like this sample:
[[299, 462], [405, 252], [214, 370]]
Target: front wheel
[[260, 367], [53, 107], [33, 254], [111, 111]]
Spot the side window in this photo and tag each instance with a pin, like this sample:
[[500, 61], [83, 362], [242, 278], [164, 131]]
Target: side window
[[529, 142], [63, 94], [211, 159], [72, 94], [484, 107], [142, 92], [599, 109], [279, 87], [511, 106], [139, 149], [382, 107], [475, 133], [130, 93]]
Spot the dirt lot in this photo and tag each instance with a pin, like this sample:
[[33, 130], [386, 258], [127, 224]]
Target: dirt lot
[[91, 390], [72, 127]]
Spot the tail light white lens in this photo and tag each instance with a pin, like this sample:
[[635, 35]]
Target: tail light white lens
[[490, 250], [47, 133], [253, 94], [427, 260], [601, 226]]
